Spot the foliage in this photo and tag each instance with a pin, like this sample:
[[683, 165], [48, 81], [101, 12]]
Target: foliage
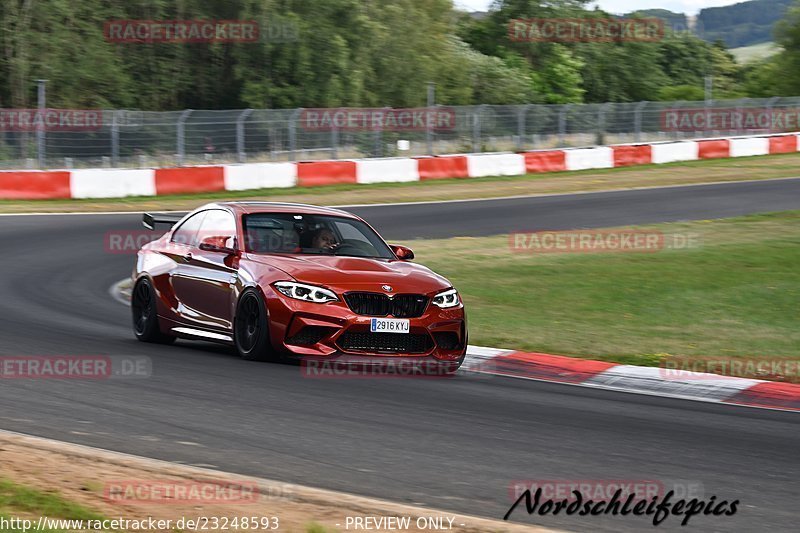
[[359, 53], [741, 24]]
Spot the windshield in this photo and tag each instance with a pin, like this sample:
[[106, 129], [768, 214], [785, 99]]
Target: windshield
[[292, 233]]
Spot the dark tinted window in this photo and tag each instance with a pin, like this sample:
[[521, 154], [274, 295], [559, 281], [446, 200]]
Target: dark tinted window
[[312, 234]]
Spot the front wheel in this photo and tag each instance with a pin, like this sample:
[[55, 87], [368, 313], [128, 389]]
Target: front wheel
[[251, 328], [145, 314]]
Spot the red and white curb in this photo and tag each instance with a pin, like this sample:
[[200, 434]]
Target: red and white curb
[[635, 379], [119, 183]]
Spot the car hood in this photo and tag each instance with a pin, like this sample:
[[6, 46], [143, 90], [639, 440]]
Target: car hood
[[358, 273]]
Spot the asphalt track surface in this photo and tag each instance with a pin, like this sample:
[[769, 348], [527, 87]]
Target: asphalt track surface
[[455, 444]]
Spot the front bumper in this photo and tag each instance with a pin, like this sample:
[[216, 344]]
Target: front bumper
[[332, 331]]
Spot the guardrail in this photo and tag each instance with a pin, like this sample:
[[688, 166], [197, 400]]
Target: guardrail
[[116, 183]]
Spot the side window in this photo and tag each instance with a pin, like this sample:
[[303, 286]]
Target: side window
[[217, 223], [187, 232], [348, 232]]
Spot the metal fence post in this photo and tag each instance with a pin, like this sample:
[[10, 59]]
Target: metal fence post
[[562, 124], [521, 114], [293, 133], [240, 148], [334, 141], [770, 105], [40, 135], [115, 138], [180, 151], [637, 120], [476, 131], [738, 113], [378, 150], [431, 101], [601, 124]]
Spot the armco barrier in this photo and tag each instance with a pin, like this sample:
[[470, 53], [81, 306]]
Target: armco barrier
[[783, 144], [749, 146], [632, 154], [117, 183], [102, 183], [433, 168], [34, 185], [386, 170], [260, 176], [590, 158], [189, 180], [481, 165], [713, 149], [315, 173], [674, 152], [545, 161]]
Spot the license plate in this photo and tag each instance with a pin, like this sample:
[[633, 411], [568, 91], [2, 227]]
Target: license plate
[[389, 325]]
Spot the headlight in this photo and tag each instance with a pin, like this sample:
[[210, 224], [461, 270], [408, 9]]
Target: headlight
[[448, 298], [307, 293]]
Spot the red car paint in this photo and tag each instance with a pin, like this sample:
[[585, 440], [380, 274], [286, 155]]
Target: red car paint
[[197, 292]]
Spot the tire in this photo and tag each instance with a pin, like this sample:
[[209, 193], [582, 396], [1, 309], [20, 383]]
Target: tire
[[145, 314], [251, 328]]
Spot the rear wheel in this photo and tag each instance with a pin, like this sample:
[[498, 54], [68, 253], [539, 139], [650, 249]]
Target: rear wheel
[[251, 328], [145, 314]]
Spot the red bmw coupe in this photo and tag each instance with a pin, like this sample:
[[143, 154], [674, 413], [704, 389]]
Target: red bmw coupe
[[280, 280]]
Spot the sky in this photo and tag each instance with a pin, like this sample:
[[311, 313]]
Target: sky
[[690, 7]]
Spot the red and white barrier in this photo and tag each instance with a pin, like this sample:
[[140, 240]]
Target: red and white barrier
[[589, 158], [118, 183], [442, 167], [482, 165], [34, 184], [260, 176], [387, 170], [104, 183], [638, 379], [747, 146], [674, 152]]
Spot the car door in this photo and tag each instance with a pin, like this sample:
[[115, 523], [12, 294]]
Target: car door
[[205, 281]]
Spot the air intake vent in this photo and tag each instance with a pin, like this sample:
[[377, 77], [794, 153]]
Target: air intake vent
[[377, 304], [308, 336], [385, 342], [447, 340]]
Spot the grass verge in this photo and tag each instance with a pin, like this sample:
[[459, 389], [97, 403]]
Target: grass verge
[[17, 501], [736, 294], [691, 172]]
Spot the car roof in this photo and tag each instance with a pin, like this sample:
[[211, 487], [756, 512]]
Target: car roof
[[248, 207]]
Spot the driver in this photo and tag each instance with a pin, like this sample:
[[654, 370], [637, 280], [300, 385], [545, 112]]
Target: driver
[[324, 239]]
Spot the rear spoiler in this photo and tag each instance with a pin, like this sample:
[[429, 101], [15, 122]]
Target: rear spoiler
[[150, 220]]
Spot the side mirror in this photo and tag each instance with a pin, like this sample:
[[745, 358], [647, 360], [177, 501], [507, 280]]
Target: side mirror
[[219, 243], [403, 253]]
